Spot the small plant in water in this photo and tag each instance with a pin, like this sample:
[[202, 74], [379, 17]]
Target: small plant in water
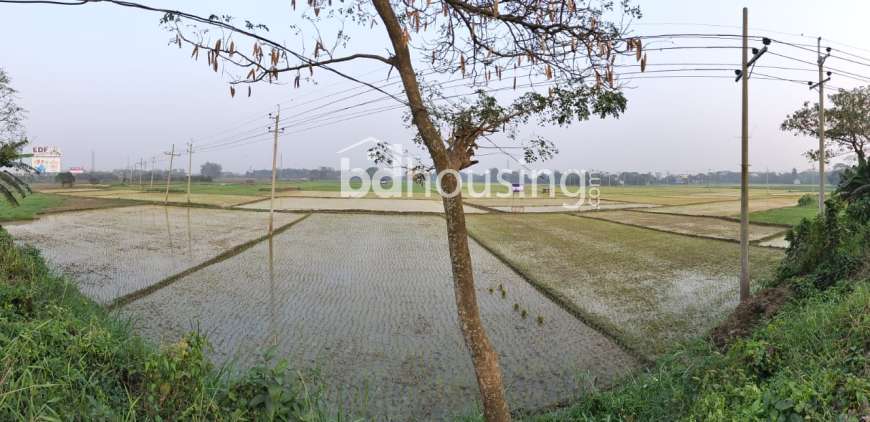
[[540, 320], [524, 314], [491, 291], [516, 306], [503, 294]]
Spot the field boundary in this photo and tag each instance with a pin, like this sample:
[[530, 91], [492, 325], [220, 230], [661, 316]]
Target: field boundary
[[604, 328], [349, 211], [696, 236], [138, 294]]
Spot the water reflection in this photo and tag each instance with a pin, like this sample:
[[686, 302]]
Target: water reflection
[[168, 229], [189, 237], [273, 326]]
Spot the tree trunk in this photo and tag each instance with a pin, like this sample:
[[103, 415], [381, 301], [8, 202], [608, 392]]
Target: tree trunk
[[483, 357]]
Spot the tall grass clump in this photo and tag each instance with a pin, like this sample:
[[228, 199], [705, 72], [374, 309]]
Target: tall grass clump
[[62, 357]]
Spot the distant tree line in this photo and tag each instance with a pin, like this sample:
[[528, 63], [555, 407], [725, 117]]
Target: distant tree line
[[631, 178]]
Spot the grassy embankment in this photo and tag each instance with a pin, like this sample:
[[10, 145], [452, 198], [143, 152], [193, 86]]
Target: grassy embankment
[[62, 357]]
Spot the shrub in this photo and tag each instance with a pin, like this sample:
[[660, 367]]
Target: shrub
[[807, 199]]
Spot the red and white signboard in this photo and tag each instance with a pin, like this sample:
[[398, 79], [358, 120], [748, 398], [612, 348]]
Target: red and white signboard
[[76, 170], [46, 159]]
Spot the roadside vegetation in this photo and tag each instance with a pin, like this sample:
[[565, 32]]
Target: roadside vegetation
[[62, 357]]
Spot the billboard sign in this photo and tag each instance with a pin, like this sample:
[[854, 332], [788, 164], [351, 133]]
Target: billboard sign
[[46, 159], [76, 170]]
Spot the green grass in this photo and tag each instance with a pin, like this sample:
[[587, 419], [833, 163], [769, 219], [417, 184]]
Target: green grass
[[29, 206], [787, 216], [62, 357], [809, 363]]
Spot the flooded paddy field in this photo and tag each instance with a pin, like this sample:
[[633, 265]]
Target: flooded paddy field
[[776, 242], [694, 225], [730, 208], [220, 200], [648, 288], [582, 208], [114, 252], [368, 300], [356, 204]]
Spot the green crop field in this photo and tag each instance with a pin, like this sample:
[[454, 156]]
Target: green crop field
[[649, 289], [38, 203], [787, 216]]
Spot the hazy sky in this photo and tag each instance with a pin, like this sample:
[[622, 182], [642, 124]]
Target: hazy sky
[[102, 78]]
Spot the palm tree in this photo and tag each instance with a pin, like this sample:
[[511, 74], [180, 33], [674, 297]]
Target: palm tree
[[9, 182], [855, 182], [11, 141]]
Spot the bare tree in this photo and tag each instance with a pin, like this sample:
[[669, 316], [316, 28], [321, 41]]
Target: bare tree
[[566, 46]]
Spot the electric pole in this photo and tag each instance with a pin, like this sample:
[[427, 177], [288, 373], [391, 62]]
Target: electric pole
[[93, 165], [189, 165], [744, 74], [153, 164], [821, 85], [171, 155], [275, 129], [141, 170]]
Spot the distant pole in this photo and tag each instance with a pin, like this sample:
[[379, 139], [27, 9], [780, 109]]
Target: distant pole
[[189, 166], [171, 154], [141, 170], [93, 162], [153, 164], [821, 85], [744, 166], [130, 168], [274, 171]]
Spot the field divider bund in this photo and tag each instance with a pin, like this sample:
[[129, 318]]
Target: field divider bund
[[606, 329], [697, 236], [253, 201], [138, 294]]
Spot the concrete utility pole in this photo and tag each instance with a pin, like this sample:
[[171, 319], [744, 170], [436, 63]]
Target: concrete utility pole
[[141, 170], [153, 164], [274, 169], [744, 74], [189, 165], [171, 155], [821, 85], [744, 166]]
